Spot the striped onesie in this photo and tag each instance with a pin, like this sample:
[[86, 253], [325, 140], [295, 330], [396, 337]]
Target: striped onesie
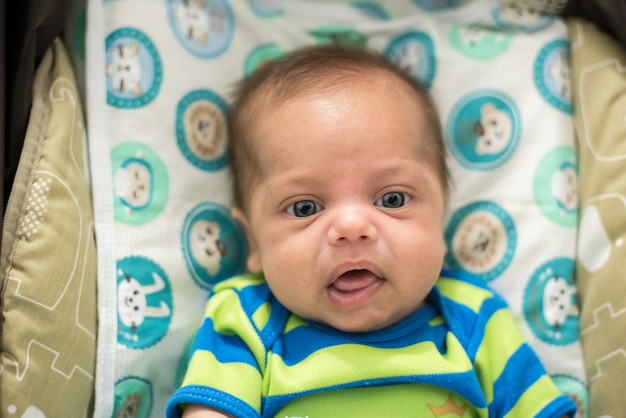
[[461, 354]]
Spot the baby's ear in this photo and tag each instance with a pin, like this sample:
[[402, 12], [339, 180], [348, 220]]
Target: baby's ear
[[254, 259]]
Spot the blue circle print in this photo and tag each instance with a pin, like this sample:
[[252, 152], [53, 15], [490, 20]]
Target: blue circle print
[[201, 129], [213, 244], [415, 52], [552, 75], [481, 238], [144, 302], [204, 27], [550, 305], [483, 130], [134, 70]]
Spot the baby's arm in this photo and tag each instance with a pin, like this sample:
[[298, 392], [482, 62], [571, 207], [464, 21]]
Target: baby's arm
[[223, 372], [200, 411]]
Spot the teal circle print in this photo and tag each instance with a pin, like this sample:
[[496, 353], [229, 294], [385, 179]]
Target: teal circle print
[[266, 8], [203, 27], [481, 238], [140, 181], [133, 397], [339, 34], [261, 55], [201, 129], [479, 42], [134, 72], [483, 130], [552, 75], [214, 245], [575, 389], [438, 5], [371, 9], [415, 52], [555, 186], [144, 302], [550, 306]]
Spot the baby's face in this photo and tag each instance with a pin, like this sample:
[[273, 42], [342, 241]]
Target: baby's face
[[346, 221]]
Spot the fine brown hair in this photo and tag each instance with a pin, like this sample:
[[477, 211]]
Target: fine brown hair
[[307, 70]]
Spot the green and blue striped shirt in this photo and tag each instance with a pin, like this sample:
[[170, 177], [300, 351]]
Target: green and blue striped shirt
[[461, 354]]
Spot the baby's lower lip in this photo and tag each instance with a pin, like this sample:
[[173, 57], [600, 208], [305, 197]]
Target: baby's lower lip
[[354, 288]]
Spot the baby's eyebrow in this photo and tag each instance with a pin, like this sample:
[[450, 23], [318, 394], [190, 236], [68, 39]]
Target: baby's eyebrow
[[393, 167]]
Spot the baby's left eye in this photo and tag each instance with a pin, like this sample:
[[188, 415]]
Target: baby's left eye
[[392, 200]]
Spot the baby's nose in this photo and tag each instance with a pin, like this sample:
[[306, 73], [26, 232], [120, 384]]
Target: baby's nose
[[351, 224]]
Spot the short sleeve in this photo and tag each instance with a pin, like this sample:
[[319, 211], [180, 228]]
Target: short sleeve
[[227, 344]]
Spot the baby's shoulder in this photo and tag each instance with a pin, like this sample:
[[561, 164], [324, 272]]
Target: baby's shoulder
[[238, 297], [467, 304], [467, 290], [246, 302]]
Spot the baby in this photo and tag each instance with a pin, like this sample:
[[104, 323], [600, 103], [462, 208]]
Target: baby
[[341, 185]]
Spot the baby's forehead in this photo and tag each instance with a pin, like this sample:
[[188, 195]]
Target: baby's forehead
[[382, 100], [276, 91], [373, 88]]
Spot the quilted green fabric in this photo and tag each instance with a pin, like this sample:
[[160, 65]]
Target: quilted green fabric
[[47, 358]]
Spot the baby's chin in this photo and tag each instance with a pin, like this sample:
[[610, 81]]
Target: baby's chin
[[364, 323]]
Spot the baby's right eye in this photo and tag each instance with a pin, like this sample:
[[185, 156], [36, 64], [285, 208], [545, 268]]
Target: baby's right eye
[[304, 208]]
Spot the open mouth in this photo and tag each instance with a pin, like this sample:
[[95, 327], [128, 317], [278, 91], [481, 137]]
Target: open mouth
[[354, 288], [354, 280]]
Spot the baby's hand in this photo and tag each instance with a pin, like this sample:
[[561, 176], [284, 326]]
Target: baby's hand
[[200, 411]]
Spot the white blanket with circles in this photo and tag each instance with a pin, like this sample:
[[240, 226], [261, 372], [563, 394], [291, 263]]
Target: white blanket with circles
[[159, 73]]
